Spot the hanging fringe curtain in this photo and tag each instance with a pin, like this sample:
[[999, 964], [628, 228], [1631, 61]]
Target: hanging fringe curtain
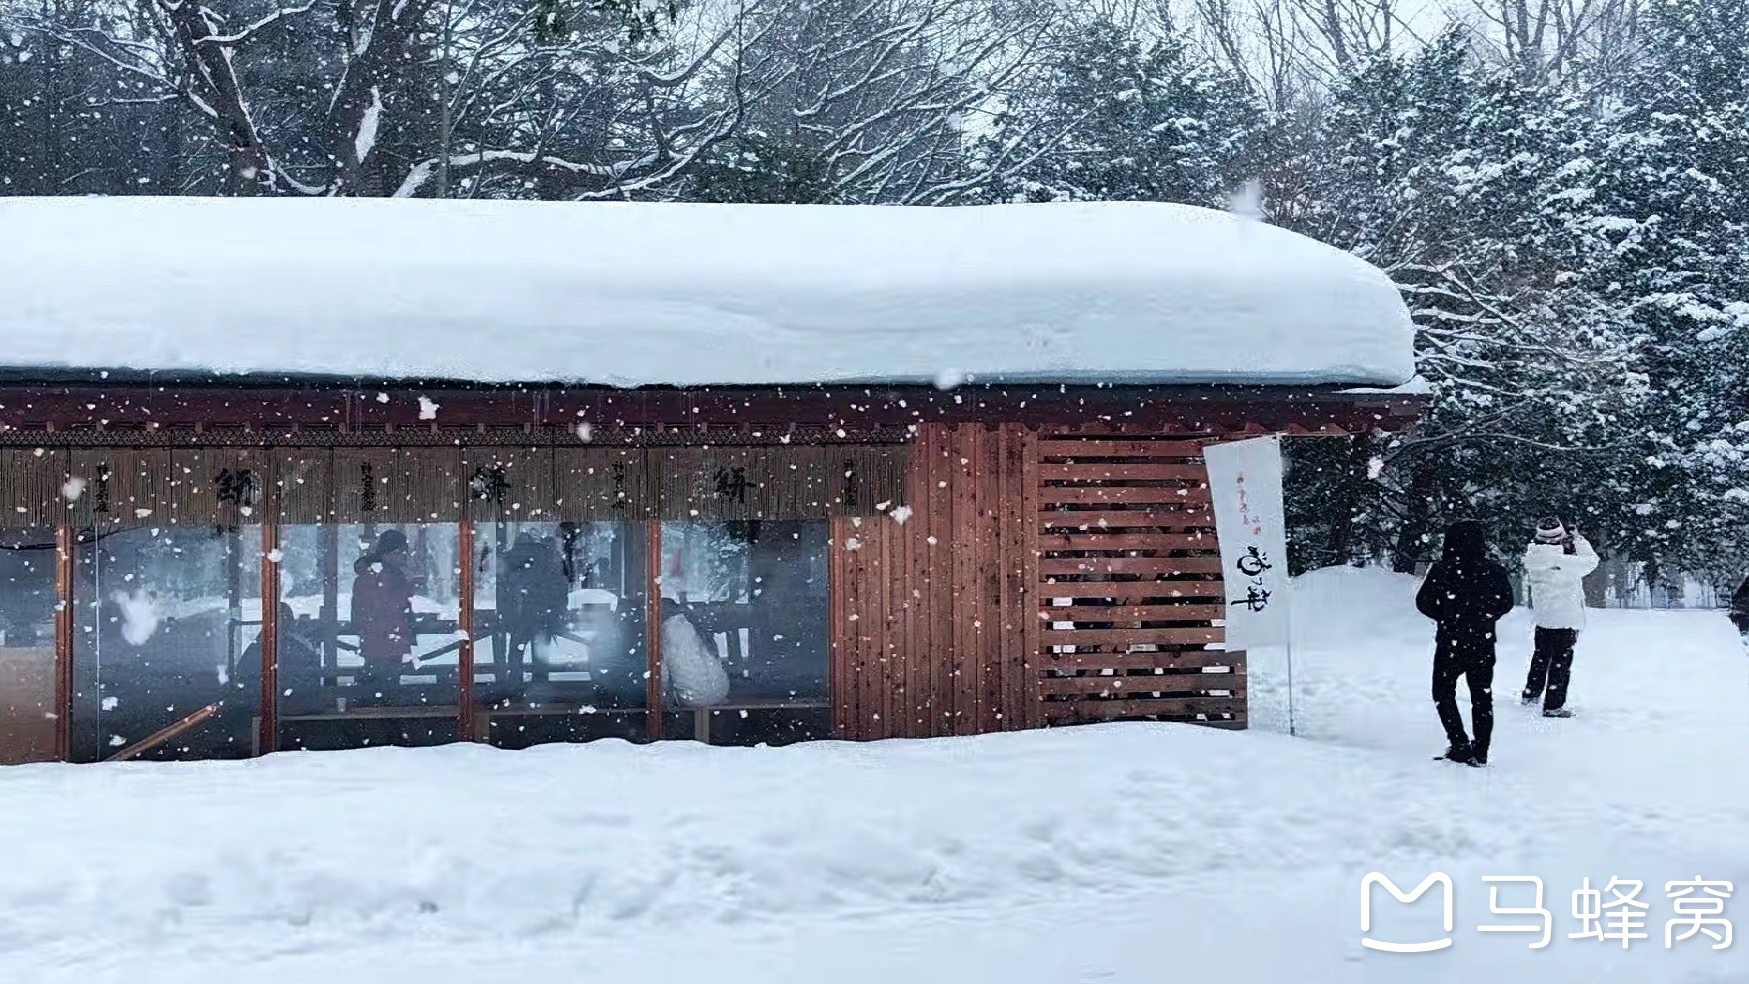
[[238, 485], [218, 486], [122, 487], [303, 485], [34, 487], [784, 483], [602, 484], [510, 484]]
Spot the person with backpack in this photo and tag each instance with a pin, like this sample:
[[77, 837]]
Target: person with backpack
[[1555, 565], [1465, 593]]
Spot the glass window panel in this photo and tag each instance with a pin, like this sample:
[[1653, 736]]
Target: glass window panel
[[369, 638], [27, 646], [745, 640], [559, 648], [167, 622]]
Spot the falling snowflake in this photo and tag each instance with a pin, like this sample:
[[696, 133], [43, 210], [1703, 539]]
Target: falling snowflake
[[585, 432], [1375, 467], [427, 409], [139, 617], [1248, 200], [946, 379], [382, 397], [111, 703], [275, 555], [901, 514]]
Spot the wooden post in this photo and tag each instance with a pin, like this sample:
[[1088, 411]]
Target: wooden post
[[835, 653], [233, 592], [330, 594], [653, 621], [505, 660], [465, 720], [268, 739], [64, 629]]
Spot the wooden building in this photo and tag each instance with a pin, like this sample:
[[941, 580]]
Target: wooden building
[[224, 545]]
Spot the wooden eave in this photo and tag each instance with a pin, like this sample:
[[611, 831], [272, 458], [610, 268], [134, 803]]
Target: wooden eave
[[222, 411]]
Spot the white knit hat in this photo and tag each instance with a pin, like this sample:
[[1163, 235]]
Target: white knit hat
[[1550, 530]]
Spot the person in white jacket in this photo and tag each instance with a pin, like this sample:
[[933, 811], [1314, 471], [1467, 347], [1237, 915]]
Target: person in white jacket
[[1555, 566]]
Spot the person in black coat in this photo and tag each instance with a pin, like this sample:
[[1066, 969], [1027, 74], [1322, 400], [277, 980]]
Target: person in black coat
[[1466, 592], [1740, 608]]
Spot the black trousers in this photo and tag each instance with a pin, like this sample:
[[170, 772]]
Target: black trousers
[[1551, 666], [1477, 669]]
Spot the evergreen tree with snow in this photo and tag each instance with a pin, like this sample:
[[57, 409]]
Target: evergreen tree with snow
[[1676, 209], [1122, 116]]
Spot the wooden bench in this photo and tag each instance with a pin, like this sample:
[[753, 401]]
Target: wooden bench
[[701, 716]]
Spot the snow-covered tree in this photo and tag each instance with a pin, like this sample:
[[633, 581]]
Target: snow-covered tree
[[1677, 211], [852, 101], [1472, 189], [1128, 116]]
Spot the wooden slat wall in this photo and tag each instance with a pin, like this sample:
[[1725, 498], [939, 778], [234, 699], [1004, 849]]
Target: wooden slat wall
[[933, 618], [1131, 620]]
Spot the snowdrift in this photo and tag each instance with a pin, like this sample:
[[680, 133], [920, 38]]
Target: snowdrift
[[1205, 851]]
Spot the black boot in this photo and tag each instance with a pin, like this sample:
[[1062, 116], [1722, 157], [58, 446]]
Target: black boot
[[1459, 752], [1478, 755]]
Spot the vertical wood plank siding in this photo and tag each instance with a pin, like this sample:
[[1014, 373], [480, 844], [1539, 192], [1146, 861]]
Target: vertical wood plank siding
[[932, 619]]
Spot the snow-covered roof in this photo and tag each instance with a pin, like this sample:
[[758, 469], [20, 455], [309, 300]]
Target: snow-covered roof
[[635, 294]]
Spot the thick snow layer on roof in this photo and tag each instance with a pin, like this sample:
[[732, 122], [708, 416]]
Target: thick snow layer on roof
[[633, 294]]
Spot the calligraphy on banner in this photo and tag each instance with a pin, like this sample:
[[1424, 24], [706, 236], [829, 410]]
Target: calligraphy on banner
[[1245, 486]]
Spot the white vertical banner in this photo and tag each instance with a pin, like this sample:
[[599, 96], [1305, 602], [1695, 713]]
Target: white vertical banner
[[1245, 484]]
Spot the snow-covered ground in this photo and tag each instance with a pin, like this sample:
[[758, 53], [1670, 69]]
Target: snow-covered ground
[[1122, 853]]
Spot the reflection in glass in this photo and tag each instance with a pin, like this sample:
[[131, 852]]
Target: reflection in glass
[[164, 617], [745, 642], [369, 638], [27, 646], [559, 626]]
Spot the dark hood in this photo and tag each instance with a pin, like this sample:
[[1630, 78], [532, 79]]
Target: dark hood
[[1465, 544]]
